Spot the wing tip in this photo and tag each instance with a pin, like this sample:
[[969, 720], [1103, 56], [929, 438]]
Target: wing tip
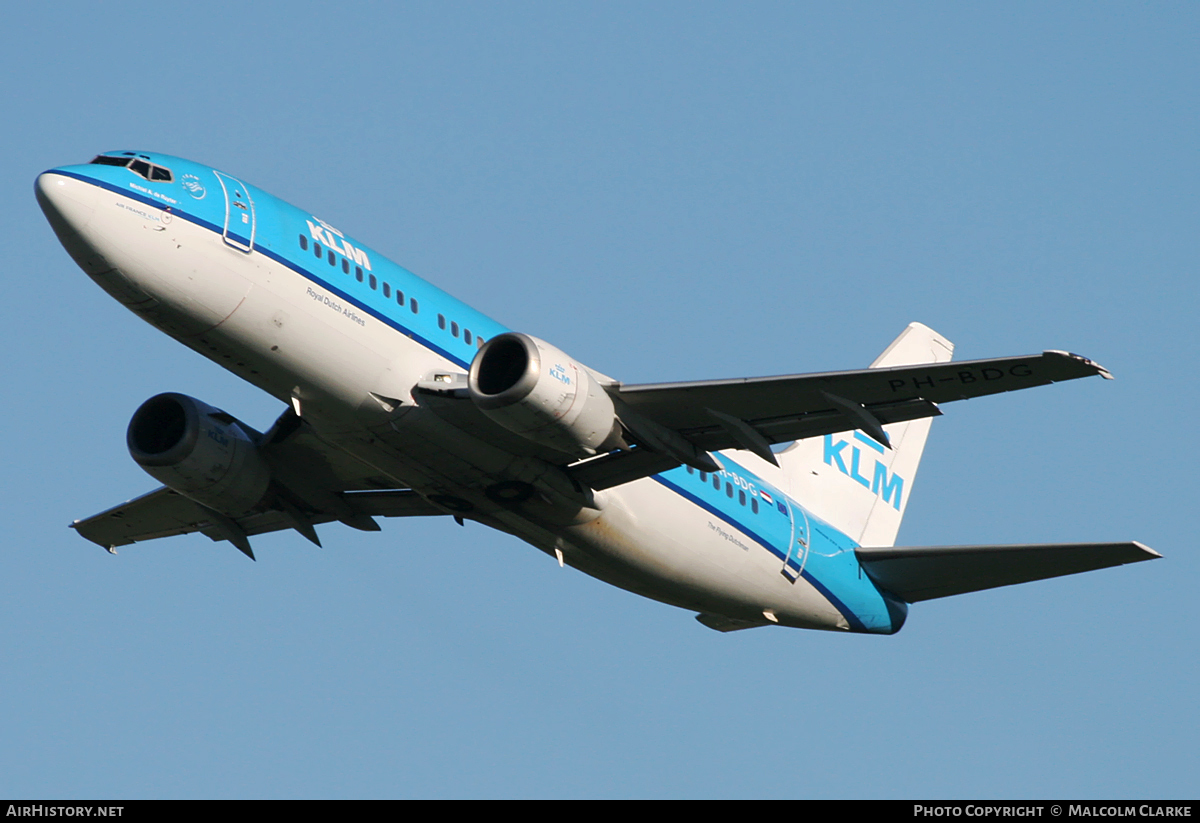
[[1079, 358], [1151, 554]]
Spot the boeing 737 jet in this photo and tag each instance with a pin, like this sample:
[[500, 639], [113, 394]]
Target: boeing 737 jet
[[401, 401]]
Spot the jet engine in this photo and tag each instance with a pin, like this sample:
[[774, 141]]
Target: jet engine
[[200, 452], [532, 389]]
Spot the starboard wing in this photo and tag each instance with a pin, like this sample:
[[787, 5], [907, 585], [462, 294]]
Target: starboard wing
[[166, 513], [316, 483]]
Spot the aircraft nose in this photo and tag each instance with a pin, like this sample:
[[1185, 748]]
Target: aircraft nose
[[67, 203]]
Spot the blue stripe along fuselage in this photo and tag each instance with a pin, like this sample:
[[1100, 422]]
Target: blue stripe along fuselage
[[279, 226], [832, 567]]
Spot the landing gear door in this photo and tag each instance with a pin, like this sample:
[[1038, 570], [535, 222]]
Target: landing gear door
[[239, 214], [797, 555]]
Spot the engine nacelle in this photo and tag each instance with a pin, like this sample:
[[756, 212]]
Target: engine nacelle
[[533, 389], [200, 452]]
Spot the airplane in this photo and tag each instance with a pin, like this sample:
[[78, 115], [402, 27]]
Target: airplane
[[402, 401]]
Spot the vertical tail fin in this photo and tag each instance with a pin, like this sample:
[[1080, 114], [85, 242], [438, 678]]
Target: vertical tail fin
[[868, 501]]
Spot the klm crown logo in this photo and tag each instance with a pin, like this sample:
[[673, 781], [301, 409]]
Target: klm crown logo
[[889, 488]]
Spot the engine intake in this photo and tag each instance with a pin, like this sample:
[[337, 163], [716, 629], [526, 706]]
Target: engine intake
[[535, 390], [199, 451]]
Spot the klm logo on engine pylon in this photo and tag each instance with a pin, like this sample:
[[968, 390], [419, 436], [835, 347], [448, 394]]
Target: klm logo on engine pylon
[[333, 239], [881, 484]]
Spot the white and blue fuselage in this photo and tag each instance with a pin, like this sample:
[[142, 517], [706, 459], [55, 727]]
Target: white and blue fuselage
[[321, 321]]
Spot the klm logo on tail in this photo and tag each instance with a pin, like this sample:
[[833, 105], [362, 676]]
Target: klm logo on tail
[[890, 488]]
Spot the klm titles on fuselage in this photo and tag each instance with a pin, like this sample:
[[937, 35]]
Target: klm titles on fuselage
[[332, 239]]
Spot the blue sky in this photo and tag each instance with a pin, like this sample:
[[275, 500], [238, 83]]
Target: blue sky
[[667, 192]]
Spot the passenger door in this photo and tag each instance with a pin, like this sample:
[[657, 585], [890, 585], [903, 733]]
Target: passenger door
[[797, 552], [239, 214]]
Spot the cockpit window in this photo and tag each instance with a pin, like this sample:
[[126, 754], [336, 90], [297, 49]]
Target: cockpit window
[[105, 160], [139, 167]]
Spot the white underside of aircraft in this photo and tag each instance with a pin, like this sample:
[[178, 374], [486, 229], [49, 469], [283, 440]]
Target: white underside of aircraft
[[671, 491]]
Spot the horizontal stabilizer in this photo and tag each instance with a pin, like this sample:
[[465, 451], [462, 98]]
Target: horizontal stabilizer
[[927, 572]]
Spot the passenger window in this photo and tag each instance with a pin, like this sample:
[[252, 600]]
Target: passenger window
[[691, 470], [716, 483], [317, 250], [441, 321], [467, 336], [345, 265], [400, 297], [754, 504], [412, 304], [387, 290], [741, 497], [454, 328], [374, 282], [703, 477], [303, 242], [729, 490], [358, 274], [332, 258]]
